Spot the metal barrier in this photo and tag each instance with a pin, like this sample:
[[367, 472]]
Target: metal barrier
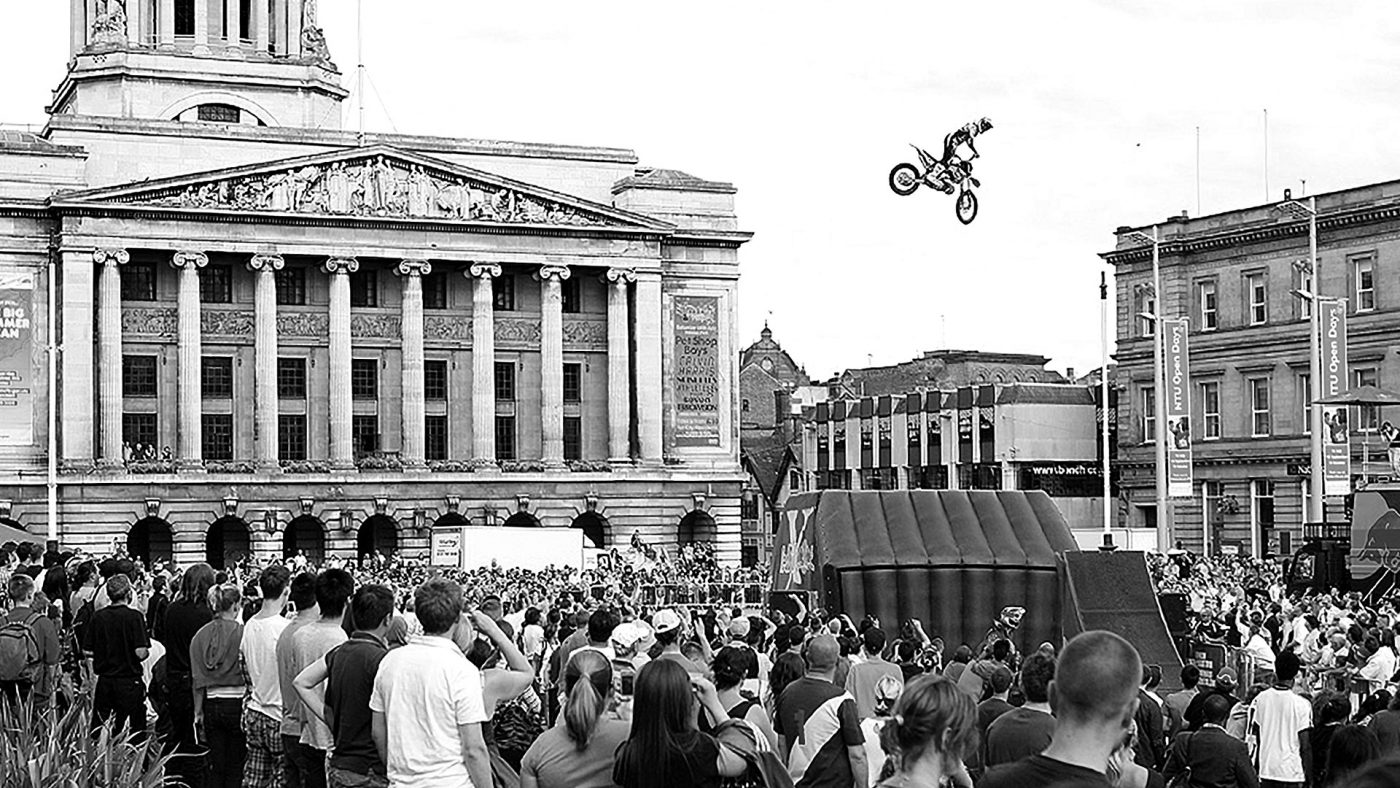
[[696, 595]]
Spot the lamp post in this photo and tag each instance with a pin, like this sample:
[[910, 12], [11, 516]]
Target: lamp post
[[1316, 510], [1159, 416], [1103, 410]]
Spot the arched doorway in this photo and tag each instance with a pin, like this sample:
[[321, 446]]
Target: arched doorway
[[305, 535], [450, 520], [150, 540], [594, 528], [522, 520], [697, 526], [378, 535], [227, 542]]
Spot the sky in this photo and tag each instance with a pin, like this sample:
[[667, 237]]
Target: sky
[[805, 107]]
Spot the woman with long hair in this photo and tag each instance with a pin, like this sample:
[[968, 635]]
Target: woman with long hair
[[729, 670], [1351, 748], [217, 679], [666, 749], [186, 616], [578, 753], [933, 727]]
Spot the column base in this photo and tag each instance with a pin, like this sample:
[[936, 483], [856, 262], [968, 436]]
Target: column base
[[265, 466], [76, 466], [555, 465], [189, 466], [483, 465], [343, 466], [621, 462], [105, 465], [415, 466]]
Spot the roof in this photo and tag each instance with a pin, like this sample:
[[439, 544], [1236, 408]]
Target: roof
[[1045, 394], [671, 180], [768, 459], [29, 142]]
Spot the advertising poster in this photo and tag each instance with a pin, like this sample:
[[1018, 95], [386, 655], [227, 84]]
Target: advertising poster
[[1178, 406], [16, 359], [447, 547], [1336, 438], [696, 379]]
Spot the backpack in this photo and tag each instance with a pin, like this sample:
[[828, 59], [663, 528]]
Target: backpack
[[515, 726], [19, 650], [83, 616]]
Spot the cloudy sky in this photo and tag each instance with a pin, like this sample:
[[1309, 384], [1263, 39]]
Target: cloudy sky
[[806, 106]]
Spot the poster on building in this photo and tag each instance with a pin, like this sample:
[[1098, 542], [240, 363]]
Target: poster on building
[[696, 363], [1178, 406], [16, 359], [1336, 433], [447, 547]]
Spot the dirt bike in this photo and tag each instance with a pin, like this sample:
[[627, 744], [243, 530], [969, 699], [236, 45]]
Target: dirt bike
[[905, 179]]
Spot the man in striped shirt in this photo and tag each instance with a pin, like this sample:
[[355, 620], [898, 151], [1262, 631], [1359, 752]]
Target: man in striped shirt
[[818, 727]]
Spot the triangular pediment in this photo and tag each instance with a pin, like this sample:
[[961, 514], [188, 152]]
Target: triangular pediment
[[371, 182]]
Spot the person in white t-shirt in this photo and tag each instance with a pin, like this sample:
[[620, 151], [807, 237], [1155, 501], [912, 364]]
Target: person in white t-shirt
[[427, 701], [1281, 719], [262, 714]]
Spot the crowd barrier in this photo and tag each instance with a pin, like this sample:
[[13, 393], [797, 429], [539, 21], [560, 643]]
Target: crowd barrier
[[696, 594]]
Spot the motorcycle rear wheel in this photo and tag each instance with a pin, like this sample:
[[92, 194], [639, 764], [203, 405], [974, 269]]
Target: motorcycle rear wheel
[[966, 206], [904, 179]]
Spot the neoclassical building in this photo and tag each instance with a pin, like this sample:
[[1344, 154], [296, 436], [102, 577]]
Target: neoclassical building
[[269, 334]]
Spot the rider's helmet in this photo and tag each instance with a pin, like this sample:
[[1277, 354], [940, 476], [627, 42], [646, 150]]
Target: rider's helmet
[[983, 124]]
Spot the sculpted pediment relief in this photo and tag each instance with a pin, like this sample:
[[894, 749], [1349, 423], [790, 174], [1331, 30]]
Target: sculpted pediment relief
[[371, 182]]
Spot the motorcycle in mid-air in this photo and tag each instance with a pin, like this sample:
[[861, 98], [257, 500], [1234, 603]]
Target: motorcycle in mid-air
[[947, 177]]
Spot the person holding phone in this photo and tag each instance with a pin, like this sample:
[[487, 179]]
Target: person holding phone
[[665, 748]]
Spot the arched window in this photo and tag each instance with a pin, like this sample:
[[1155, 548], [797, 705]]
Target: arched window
[[697, 526], [219, 113], [594, 528], [522, 520], [150, 540]]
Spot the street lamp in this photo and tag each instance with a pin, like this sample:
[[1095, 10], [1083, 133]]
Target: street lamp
[[1159, 416], [1294, 209]]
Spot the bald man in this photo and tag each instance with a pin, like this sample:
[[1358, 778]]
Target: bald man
[[818, 727], [1094, 696]]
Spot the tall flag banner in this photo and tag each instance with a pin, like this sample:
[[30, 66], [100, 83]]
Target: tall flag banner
[[1178, 406], [1336, 433], [16, 359]]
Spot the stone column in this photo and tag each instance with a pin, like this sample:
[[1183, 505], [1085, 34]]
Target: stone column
[[649, 383], [233, 21], [265, 266], [412, 452], [190, 352], [483, 364], [165, 23], [135, 21], [77, 26], [552, 363], [109, 361], [260, 24], [619, 367], [201, 27], [75, 307], [341, 405], [294, 25]]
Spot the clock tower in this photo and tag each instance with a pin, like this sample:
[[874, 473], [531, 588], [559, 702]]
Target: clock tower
[[249, 62]]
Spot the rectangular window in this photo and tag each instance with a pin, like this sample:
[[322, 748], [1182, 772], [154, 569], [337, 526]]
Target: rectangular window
[[1149, 415], [435, 437], [435, 380], [435, 291], [1304, 281], [217, 429], [573, 438], [364, 288], [138, 282], [505, 381], [572, 296], [1210, 410], [1367, 418], [291, 378], [1364, 269], [505, 437], [216, 285], [1305, 401], [291, 437], [1256, 293], [184, 17], [139, 376], [1261, 424], [364, 378], [291, 287], [218, 113], [573, 382], [1209, 314], [216, 377], [139, 430], [1146, 312], [364, 432], [503, 291]]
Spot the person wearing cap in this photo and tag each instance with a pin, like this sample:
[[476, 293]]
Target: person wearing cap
[[670, 629], [887, 691], [1224, 685]]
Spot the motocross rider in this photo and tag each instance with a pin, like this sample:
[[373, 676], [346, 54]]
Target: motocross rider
[[1003, 629], [953, 141]]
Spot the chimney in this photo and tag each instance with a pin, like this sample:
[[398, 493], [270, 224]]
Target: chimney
[[782, 407], [1069, 373]]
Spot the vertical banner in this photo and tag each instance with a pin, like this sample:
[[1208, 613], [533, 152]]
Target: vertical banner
[[696, 364], [1336, 443], [16, 359], [1178, 406]]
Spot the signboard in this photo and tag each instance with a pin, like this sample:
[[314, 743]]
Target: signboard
[[696, 363], [1336, 443], [16, 359], [447, 547], [795, 568], [1178, 406], [528, 548]]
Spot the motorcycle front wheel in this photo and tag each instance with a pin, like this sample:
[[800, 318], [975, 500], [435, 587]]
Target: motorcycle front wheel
[[967, 206], [904, 179]]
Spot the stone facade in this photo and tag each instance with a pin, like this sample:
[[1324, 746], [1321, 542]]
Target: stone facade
[[317, 341]]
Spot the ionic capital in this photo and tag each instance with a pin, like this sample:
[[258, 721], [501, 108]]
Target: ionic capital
[[111, 256], [414, 268], [266, 263], [483, 271], [621, 276], [341, 265], [552, 271], [189, 260]]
